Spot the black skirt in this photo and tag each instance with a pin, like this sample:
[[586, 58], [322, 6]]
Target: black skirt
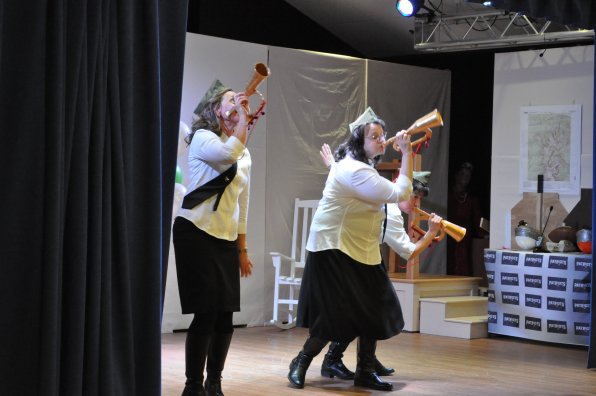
[[341, 299], [207, 270]]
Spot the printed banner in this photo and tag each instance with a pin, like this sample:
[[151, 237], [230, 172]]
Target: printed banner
[[539, 296]]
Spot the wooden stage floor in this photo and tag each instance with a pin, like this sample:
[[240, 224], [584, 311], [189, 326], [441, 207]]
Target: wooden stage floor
[[258, 362]]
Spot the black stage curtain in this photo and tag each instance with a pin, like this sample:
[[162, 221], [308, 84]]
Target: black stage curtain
[[89, 111]]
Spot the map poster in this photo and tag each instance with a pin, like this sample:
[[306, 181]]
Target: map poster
[[551, 146]]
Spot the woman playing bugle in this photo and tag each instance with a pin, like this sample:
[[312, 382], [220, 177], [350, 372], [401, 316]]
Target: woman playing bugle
[[209, 233], [345, 291], [396, 236]]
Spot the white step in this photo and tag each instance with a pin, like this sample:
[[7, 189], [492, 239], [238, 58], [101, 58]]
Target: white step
[[457, 316]]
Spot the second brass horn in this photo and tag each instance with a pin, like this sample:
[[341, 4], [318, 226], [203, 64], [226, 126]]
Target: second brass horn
[[453, 230], [423, 124]]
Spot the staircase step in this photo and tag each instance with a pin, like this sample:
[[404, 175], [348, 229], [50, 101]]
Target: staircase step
[[457, 306], [454, 316], [469, 319]]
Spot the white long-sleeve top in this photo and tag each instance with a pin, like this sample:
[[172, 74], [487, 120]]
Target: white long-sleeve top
[[208, 156], [351, 212], [395, 233]]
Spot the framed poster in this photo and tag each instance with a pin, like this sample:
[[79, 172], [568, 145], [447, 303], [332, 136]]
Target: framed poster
[[551, 146]]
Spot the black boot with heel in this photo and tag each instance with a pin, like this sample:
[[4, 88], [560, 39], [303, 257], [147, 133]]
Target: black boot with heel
[[218, 352], [196, 349], [365, 375], [382, 370], [312, 347], [333, 366]]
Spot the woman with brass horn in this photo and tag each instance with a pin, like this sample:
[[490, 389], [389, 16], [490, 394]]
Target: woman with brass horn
[[345, 291], [209, 233], [396, 236]]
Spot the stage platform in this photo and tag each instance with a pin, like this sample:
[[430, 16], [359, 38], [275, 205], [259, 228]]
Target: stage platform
[[410, 291]]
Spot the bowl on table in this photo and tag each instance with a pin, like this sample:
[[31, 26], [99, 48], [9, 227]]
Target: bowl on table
[[526, 237], [584, 240]]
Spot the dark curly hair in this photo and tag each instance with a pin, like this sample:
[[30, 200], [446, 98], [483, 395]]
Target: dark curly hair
[[420, 188], [355, 143], [208, 117]]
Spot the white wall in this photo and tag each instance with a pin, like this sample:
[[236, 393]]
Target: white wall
[[562, 76]]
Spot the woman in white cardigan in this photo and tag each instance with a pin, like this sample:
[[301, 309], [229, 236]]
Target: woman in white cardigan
[[345, 291]]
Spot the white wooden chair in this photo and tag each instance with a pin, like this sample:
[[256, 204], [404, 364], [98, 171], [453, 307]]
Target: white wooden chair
[[288, 269]]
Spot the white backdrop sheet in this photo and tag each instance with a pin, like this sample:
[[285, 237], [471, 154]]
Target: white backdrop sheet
[[311, 98]]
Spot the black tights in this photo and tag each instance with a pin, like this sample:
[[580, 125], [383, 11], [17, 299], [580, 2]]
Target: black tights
[[313, 346]]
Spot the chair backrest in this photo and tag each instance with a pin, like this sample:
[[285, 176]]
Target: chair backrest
[[304, 210]]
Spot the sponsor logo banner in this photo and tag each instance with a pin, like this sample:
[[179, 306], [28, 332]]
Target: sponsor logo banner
[[556, 283], [533, 323], [490, 295], [533, 300], [510, 320], [490, 275], [556, 326], [581, 285], [582, 329], [509, 278], [557, 262], [492, 317], [533, 281], [490, 256], [582, 306], [509, 258], [510, 298], [555, 304], [583, 264], [533, 260]]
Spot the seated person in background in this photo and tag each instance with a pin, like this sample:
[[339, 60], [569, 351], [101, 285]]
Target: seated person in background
[[397, 238]]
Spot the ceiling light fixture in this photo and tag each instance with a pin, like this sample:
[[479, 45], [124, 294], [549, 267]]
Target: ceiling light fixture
[[409, 8]]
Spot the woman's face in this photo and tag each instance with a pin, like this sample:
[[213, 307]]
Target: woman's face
[[227, 108], [463, 177], [413, 202], [374, 140]]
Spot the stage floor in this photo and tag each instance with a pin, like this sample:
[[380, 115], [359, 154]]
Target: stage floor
[[426, 365]]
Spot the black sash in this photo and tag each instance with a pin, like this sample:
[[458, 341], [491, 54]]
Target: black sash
[[209, 189], [384, 225]]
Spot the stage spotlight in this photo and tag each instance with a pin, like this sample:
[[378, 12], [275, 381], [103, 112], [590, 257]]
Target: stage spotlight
[[408, 8]]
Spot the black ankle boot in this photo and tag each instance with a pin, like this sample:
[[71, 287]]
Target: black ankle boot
[[213, 386], [192, 390], [218, 352], [298, 369], [312, 347], [382, 370], [332, 364], [365, 375], [196, 348]]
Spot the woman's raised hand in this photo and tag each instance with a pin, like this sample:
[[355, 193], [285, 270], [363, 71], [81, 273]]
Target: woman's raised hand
[[402, 142]]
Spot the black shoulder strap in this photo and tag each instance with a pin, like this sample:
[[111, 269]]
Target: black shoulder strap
[[209, 189], [384, 224]]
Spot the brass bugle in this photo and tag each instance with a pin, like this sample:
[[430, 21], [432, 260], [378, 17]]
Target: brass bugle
[[261, 72], [423, 124], [453, 230]]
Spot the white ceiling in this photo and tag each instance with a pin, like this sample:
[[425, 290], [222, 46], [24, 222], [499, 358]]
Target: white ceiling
[[372, 27]]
